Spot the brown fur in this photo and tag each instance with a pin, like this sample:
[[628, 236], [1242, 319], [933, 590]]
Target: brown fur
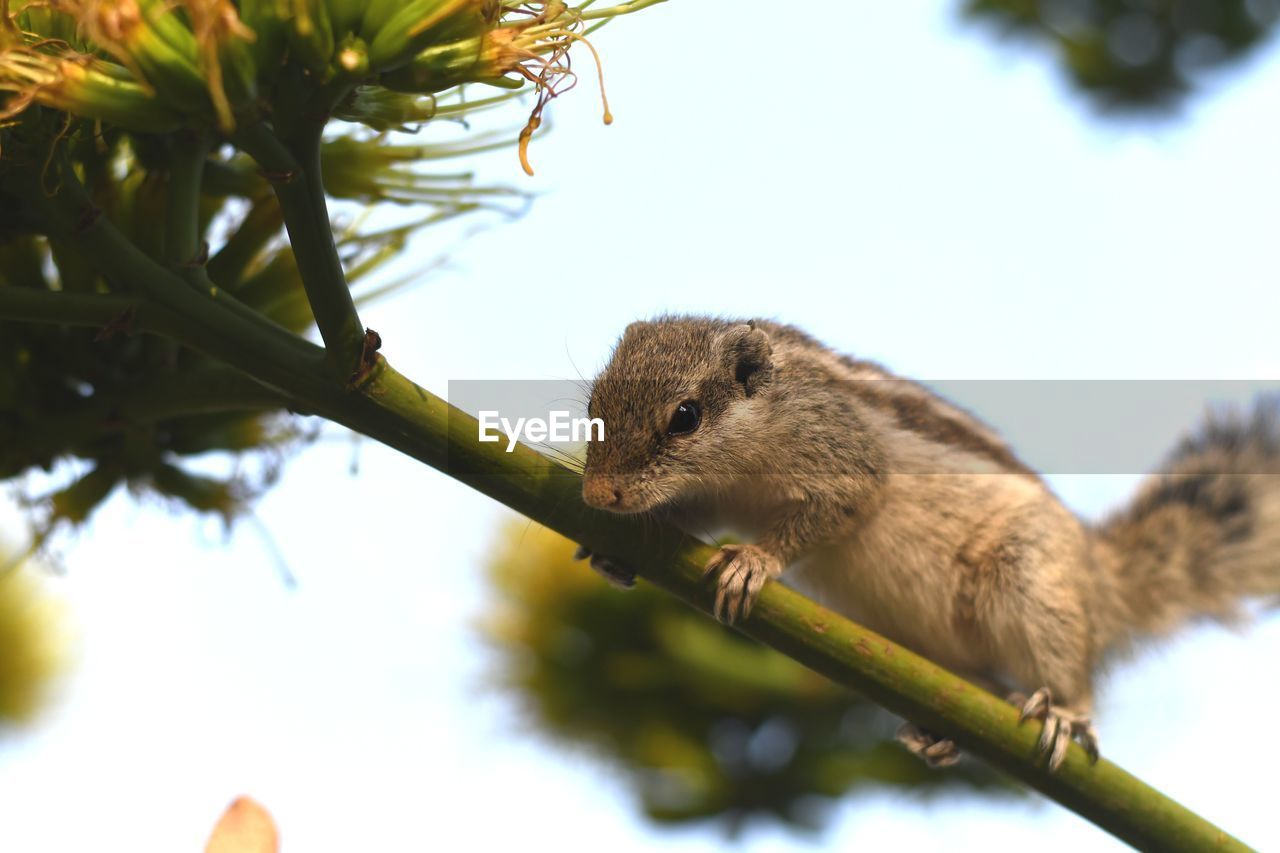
[[911, 516], [1201, 537]]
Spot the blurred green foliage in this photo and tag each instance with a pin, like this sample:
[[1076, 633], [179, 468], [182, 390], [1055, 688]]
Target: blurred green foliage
[[114, 400], [140, 102], [32, 643], [1136, 54], [703, 722], [135, 409]]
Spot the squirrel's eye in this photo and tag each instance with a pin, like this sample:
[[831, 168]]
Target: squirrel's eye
[[686, 418]]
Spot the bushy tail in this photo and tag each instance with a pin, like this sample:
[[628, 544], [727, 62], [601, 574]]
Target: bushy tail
[[1203, 536]]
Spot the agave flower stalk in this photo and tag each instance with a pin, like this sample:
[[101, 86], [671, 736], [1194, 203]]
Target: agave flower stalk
[[175, 151]]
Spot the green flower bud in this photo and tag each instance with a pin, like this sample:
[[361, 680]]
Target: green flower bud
[[79, 85], [444, 66], [382, 110], [310, 34], [352, 57], [421, 23], [267, 49], [148, 40]]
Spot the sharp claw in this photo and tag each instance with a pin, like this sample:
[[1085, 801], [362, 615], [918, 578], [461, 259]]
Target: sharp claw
[[942, 753], [618, 581], [713, 563], [1060, 727], [718, 610], [1062, 737], [755, 583], [617, 576], [1037, 705], [933, 750], [1048, 734], [733, 604], [951, 758], [1089, 740]]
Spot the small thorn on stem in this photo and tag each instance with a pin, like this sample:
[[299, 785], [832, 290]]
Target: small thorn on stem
[[88, 216], [121, 325], [278, 176], [368, 358], [199, 259]]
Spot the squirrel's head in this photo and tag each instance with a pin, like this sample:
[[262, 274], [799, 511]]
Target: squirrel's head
[[677, 400]]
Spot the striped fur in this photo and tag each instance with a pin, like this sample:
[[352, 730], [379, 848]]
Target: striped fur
[[908, 514]]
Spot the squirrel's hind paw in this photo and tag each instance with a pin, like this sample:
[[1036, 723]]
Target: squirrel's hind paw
[[743, 572], [1060, 726], [615, 573], [936, 751]]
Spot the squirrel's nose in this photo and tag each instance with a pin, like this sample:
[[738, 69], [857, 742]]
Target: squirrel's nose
[[600, 492]]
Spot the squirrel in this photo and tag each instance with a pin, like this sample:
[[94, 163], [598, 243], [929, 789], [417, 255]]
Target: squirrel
[[907, 514]]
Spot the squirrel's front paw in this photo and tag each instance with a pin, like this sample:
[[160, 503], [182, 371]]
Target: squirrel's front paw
[[616, 574], [743, 572]]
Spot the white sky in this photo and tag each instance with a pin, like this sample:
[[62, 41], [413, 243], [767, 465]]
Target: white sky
[[905, 190]]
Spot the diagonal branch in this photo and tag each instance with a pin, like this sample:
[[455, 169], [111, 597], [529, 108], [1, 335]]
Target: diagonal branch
[[398, 413]]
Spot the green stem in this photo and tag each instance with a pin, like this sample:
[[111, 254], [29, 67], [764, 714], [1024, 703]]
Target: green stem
[[182, 210], [226, 179], [32, 305], [71, 215], [227, 268], [292, 165], [195, 391], [402, 415], [272, 362]]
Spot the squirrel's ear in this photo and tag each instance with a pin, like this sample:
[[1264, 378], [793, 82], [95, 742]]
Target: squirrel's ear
[[748, 356]]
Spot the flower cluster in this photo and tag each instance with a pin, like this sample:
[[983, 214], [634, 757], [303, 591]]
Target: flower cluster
[[153, 108]]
